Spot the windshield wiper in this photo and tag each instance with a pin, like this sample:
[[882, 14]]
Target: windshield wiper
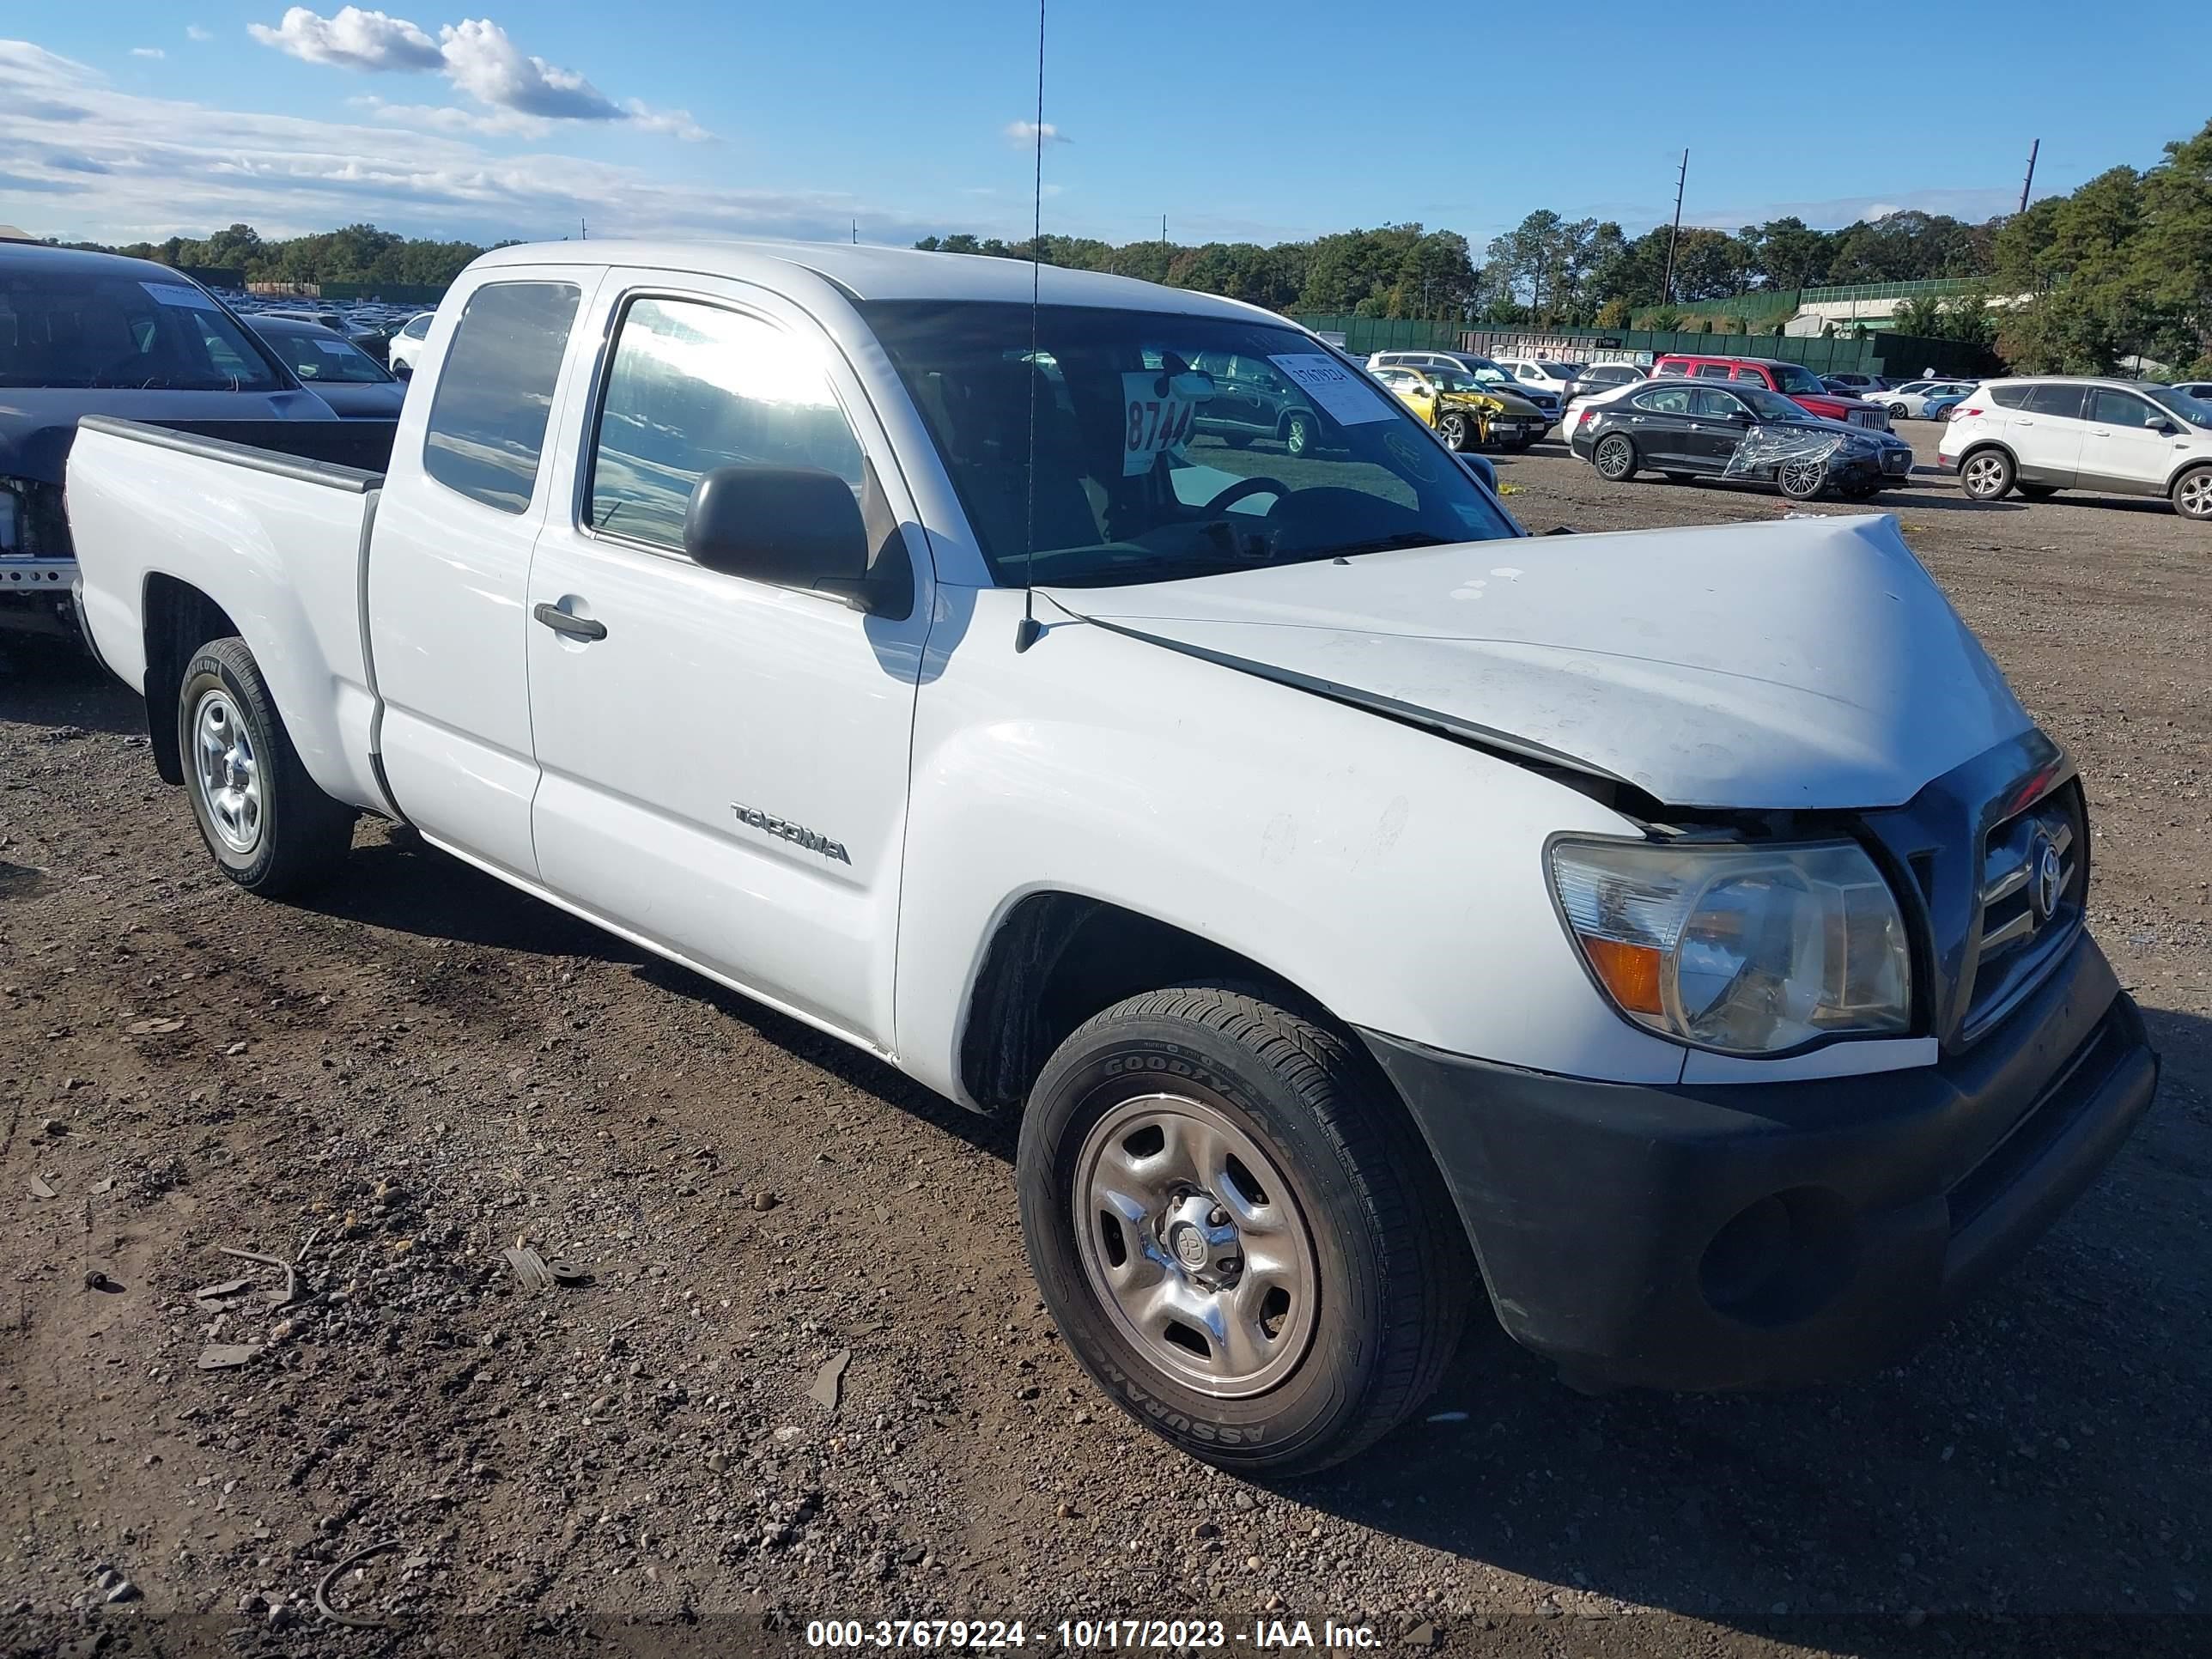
[[1404, 539]]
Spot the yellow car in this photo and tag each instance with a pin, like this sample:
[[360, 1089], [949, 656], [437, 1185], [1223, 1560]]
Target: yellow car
[[1466, 412]]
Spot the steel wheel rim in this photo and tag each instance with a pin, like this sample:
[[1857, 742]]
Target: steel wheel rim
[[1613, 457], [227, 774], [1800, 478], [2197, 495], [1982, 475], [1194, 1244]]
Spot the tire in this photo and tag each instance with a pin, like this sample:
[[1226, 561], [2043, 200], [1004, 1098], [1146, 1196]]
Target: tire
[[2037, 492], [2192, 494], [1898, 412], [1317, 1156], [1298, 433], [1614, 458], [1453, 429], [1986, 475], [1803, 481], [268, 827]]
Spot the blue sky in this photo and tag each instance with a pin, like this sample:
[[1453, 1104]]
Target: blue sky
[[130, 118]]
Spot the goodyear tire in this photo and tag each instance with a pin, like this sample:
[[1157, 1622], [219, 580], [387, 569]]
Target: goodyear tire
[[1239, 1230], [1614, 458], [268, 827]]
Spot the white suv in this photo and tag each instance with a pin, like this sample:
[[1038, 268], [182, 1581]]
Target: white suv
[[407, 343], [2120, 437]]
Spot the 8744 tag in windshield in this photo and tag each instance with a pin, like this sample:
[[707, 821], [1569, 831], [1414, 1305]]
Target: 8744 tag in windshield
[[1153, 419]]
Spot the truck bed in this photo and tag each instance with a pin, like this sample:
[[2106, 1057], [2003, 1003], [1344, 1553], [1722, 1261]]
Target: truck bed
[[269, 525]]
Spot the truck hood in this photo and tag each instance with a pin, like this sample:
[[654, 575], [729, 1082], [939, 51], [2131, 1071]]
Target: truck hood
[[1797, 663], [38, 425]]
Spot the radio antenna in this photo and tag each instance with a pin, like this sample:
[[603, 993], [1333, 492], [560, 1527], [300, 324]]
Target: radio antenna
[[1029, 633]]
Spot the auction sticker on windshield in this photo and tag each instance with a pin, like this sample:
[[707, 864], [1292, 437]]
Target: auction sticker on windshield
[[1328, 382], [1153, 419], [179, 293]]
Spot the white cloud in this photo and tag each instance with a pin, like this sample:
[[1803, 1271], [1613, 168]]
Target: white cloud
[[353, 39], [194, 32], [445, 118], [147, 52], [483, 62], [1026, 133], [477, 58], [176, 168]]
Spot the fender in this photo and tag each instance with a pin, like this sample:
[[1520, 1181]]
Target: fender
[[1376, 866]]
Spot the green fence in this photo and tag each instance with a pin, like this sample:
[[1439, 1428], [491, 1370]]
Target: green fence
[[1896, 355], [1855, 291]]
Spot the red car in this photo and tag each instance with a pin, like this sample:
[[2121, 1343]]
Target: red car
[[1793, 380]]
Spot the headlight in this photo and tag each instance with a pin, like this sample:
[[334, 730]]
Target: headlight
[[1745, 950]]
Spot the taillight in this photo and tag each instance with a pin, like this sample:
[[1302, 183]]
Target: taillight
[[1958, 414], [1587, 416]]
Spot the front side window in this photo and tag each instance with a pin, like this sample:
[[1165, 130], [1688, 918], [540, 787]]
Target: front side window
[[1715, 405], [487, 428], [1134, 477], [2122, 409], [320, 359], [1794, 378], [693, 386], [1672, 369]]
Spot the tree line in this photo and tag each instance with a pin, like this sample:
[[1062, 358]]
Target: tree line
[[2119, 268]]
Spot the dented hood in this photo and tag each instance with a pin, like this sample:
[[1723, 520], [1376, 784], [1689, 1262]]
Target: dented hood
[[1794, 664]]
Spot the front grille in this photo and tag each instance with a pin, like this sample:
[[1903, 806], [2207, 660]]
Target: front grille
[[1875, 419], [2034, 879]]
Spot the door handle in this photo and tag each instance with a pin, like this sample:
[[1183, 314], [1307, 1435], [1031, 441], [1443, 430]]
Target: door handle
[[575, 628]]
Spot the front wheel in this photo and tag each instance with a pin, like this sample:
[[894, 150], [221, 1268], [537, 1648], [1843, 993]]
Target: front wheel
[[270, 829], [2192, 494], [1298, 433], [1454, 430], [1986, 476], [1802, 480], [1898, 412], [1238, 1230], [1614, 458]]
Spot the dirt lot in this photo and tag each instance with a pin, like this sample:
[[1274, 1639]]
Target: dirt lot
[[393, 1084]]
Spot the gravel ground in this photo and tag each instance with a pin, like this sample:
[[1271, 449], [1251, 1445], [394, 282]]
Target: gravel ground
[[395, 1084]]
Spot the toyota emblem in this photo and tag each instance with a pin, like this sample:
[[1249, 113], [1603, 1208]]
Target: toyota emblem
[[2050, 879]]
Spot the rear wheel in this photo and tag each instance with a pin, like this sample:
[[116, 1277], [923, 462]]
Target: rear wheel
[[1986, 475], [1614, 458], [270, 829], [1239, 1230], [2192, 494]]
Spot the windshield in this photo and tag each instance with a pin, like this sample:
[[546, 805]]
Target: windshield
[[1769, 405], [1452, 379], [1167, 444], [325, 358], [60, 331], [1561, 371], [2194, 411], [1795, 378]]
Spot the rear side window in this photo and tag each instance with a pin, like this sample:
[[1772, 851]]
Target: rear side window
[[1720, 372], [487, 428], [2009, 397], [1664, 400], [2058, 400]]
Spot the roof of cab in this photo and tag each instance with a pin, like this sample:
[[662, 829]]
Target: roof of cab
[[883, 273]]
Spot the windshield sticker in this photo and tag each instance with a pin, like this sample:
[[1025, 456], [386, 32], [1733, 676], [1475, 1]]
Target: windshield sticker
[[1330, 385], [334, 347], [1154, 417], [180, 293], [1409, 456]]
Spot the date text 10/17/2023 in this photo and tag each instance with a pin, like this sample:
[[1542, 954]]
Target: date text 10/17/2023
[[1087, 1635]]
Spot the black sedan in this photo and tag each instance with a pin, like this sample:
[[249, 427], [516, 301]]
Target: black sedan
[[1738, 433], [355, 386]]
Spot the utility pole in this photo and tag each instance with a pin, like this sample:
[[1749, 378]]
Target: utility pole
[[1681, 178], [1164, 236], [856, 233], [583, 231], [2028, 183]]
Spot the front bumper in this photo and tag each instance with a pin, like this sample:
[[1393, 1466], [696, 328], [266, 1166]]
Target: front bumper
[[1754, 1235]]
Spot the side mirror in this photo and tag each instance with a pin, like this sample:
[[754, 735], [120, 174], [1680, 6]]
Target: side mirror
[[2167, 429], [792, 526]]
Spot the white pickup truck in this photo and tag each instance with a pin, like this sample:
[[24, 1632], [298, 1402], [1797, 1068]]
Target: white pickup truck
[[1677, 936]]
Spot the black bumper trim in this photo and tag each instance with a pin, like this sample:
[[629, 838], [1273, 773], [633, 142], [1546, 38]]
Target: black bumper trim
[[1593, 1207]]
